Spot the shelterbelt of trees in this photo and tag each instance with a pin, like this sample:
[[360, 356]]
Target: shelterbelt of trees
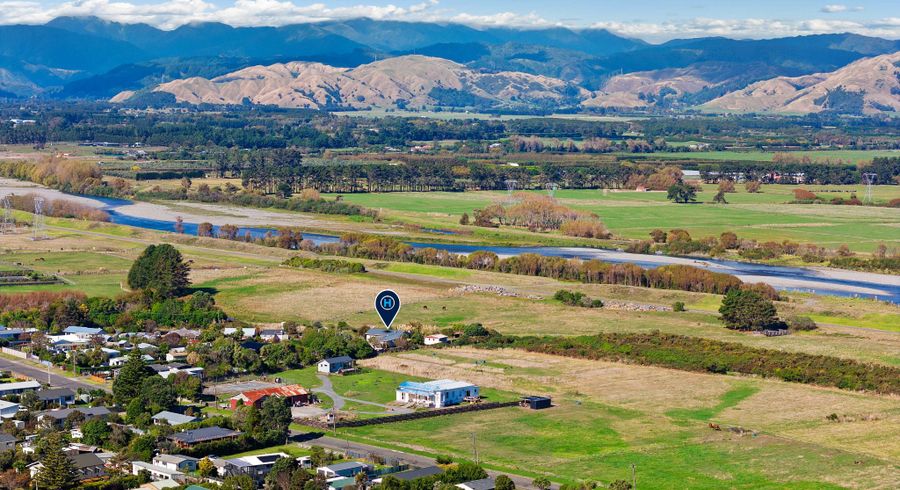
[[703, 355], [681, 277]]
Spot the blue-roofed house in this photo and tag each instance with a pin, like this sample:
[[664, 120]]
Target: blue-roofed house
[[436, 394], [84, 333]]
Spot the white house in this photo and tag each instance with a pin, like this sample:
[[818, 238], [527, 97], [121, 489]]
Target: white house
[[436, 394], [335, 364], [18, 388], [85, 333], [346, 469], [176, 462], [436, 338], [257, 467], [8, 410], [156, 472]]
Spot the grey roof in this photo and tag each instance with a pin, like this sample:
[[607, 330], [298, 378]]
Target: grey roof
[[86, 460], [203, 434], [174, 418], [338, 359], [483, 484], [53, 394], [174, 458], [417, 473], [4, 437], [86, 411]]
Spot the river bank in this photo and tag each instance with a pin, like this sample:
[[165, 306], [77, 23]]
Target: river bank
[[162, 217]]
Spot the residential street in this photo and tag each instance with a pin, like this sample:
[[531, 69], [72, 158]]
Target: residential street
[[335, 444], [39, 374]]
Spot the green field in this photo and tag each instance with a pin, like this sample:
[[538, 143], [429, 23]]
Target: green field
[[764, 216], [847, 156]]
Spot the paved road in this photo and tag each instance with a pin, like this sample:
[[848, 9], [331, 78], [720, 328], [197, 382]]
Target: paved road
[[339, 401], [334, 444], [39, 373]]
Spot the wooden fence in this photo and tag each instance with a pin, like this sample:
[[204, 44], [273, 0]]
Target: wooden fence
[[406, 416]]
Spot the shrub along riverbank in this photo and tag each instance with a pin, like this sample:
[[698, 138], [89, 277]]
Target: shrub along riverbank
[[681, 277], [706, 355]]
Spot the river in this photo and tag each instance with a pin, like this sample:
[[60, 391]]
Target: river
[[819, 280]]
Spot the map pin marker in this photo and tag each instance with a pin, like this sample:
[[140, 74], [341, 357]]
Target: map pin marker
[[387, 304]]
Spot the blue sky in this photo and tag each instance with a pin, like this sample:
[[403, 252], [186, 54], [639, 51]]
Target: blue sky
[[653, 20]]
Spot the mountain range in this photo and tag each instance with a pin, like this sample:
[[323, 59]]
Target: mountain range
[[87, 57]]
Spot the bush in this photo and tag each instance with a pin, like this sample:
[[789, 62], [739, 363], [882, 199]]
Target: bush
[[801, 323], [804, 195], [678, 306], [327, 265], [584, 228], [575, 298], [748, 310]]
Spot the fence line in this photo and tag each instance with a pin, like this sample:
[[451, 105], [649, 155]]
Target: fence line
[[406, 416]]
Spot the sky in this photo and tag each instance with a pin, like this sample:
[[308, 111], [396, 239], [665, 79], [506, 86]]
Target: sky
[[651, 20]]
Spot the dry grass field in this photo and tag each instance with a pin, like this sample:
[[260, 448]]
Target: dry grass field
[[608, 415]]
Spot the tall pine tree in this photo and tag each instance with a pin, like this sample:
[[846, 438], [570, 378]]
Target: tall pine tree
[[127, 384], [58, 472]]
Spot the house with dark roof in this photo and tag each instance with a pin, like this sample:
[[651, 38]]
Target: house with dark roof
[[7, 441], [87, 466], [332, 365], [256, 466], [381, 339], [18, 388], [56, 396], [54, 418], [190, 438]]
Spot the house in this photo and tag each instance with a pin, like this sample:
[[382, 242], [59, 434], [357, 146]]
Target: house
[[483, 484], [257, 466], [121, 360], [333, 365], [160, 485], [436, 394], [176, 462], [176, 354], [66, 343], [85, 334], [185, 333], [156, 472], [295, 395], [7, 441], [381, 339], [172, 418], [272, 335], [87, 466], [436, 338], [54, 418], [7, 389], [56, 396], [8, 410], [166, 370], [347, 469], [10, 334], [189, 438], [341, 483]]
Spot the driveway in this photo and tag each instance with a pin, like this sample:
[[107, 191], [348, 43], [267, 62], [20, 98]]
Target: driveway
[[327, 389]]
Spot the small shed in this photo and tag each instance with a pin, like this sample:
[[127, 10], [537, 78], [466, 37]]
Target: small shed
[[536, 402]]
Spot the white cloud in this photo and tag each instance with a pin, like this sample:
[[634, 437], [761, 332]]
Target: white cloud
[[834, 8], [752, 28], [169, 14]]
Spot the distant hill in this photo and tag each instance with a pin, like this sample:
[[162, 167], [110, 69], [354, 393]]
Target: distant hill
[[88, 57], [867, 86], [404, 81]]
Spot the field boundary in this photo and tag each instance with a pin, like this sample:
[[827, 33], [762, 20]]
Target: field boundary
[[407, 416]]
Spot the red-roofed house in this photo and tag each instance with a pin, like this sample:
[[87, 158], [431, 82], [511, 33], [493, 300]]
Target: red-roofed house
[[294, 394]]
